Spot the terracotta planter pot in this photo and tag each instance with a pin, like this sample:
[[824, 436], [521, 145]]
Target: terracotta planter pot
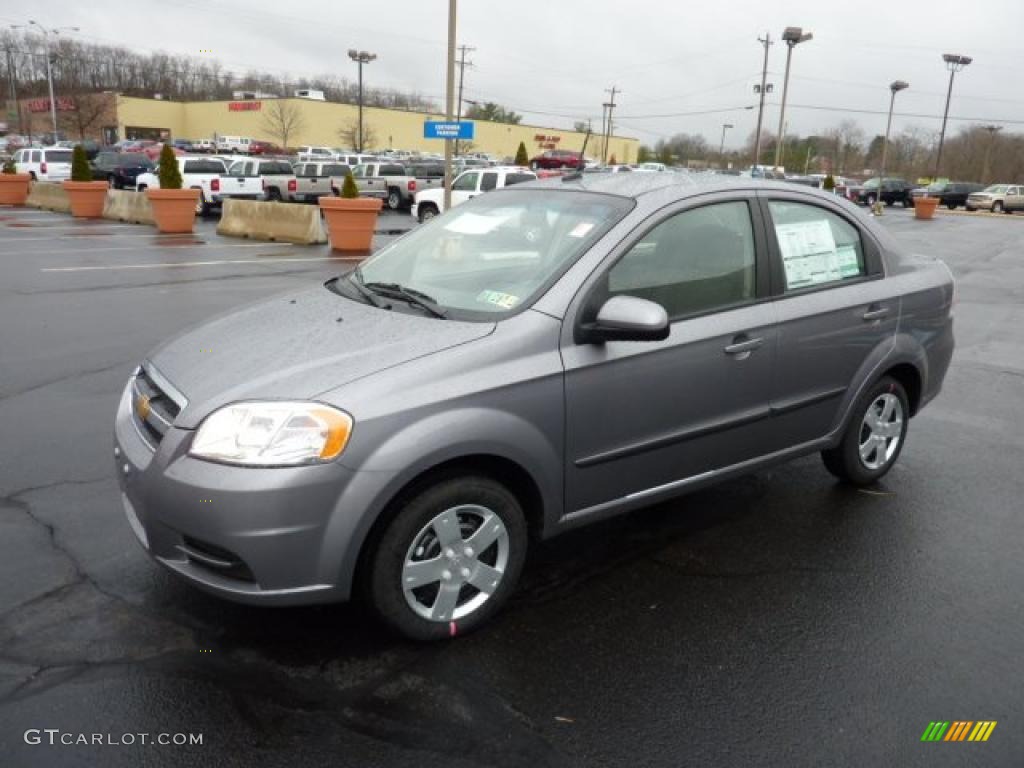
[[924, 207], [174, 210], [86, 198], [14, 188], [350, 222]]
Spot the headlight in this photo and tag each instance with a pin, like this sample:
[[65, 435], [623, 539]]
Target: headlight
[[273, 434]]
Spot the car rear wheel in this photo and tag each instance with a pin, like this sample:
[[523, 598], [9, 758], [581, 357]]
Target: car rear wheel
[[449, 559], [997, 207], [951, 206], [394, 199], [427, 212], [870, 200], [111, 183], [874, 437]]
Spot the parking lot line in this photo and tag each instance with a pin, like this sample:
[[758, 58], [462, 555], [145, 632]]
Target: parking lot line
[[113, 267], [205, 246]]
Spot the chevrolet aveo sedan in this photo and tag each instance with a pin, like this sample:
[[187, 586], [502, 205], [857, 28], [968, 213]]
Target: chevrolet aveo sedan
[[540, 358]]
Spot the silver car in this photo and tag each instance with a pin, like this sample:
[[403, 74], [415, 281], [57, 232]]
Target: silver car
[[544, 356]]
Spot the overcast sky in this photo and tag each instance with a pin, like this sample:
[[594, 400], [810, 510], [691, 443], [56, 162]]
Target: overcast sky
[[552, 61]]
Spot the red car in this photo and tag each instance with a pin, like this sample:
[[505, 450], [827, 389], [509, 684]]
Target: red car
[[264, 148], [556, 158]]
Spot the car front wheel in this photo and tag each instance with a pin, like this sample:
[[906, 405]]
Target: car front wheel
[[449, 559], [997, 207], [874, 437]]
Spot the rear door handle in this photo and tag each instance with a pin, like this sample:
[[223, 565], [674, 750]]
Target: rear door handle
[[741, 345], [875, 312]]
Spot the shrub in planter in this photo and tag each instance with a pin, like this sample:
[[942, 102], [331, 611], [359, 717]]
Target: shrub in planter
[[85, 195], [522, 157], [174, 208], [350, 219], [829, 184], [13, 185]]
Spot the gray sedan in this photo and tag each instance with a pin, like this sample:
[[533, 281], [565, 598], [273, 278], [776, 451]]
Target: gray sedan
[[539, 358]]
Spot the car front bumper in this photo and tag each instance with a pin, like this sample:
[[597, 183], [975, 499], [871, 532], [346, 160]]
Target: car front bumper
[[980, 205], [280, 536]]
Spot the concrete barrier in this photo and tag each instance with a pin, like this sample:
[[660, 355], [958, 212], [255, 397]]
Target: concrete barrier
[[49, 196], [277, 222], [127, 205]]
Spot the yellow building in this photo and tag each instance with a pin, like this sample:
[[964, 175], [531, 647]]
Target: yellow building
[[322, 123]]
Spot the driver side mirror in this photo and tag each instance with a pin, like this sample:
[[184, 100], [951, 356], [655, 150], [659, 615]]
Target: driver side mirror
[[627, 318]]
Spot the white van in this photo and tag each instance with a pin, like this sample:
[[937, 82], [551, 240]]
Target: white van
[[234, 144], [47, 164]]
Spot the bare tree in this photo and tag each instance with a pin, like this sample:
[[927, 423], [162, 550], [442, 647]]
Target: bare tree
[[282, 120], [88, 114], [349, 134]]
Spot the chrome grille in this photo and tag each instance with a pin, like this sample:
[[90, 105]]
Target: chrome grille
[[155, 405]]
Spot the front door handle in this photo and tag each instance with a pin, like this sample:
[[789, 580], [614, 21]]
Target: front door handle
[[875, 312], [741, 345]]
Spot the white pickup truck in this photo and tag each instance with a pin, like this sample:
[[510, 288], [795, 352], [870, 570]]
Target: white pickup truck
[[430, 202], [202, 173], [388, 181]]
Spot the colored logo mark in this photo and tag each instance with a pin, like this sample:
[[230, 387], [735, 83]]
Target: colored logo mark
[[959, 730]]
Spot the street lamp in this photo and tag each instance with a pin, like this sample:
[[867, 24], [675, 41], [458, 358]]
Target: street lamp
[[992, 131], [896, 86], [361, 57], [792, 36], [954, 62], [721, 144], [49, 70]]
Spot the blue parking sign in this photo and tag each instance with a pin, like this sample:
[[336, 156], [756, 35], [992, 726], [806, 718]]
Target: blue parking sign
[[436, 129]]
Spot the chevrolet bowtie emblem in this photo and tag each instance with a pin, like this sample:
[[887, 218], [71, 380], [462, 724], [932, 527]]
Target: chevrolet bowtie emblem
[[142, 407]]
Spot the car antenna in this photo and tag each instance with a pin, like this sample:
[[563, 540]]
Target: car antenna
[[578, 173]]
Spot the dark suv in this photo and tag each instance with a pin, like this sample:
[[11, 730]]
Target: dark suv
[[893, 191], [951, 194], [120, 169]]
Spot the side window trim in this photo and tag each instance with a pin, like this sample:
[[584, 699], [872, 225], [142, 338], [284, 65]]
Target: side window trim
[[869, 246]]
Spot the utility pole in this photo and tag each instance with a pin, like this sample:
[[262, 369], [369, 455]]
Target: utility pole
[[766, 41], [462, 73], [608, 129], [449, 101], [604, 124], [992, 131]]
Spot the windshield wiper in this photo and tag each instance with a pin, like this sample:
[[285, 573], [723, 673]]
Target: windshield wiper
[[355, 279], [411, 295]]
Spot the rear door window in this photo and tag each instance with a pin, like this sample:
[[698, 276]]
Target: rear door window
[[488, 182], [817, 247]]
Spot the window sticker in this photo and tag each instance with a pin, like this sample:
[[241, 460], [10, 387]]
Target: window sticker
[[810, 256], [849, 265], [498, 299]]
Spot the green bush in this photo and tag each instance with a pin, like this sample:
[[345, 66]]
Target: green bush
[[9, 166], [829, 184], [170, 176], [80, 170], [522, 157], [349, 189]]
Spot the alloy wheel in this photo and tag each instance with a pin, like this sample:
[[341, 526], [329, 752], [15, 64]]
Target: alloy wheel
[[455, 563], [881, 431]]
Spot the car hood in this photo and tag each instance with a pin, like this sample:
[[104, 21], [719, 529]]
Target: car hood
[[297, 346]]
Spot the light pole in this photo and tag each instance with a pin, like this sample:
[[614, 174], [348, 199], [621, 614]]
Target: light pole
[[954, 62], [361, 57], [792, 36], [449, 99], [895, 87], [49, 69], [721, 144]]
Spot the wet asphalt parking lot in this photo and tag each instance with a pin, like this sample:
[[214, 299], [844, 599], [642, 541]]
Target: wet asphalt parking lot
[[777, 620]]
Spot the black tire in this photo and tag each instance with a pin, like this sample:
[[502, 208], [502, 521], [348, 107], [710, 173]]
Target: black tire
[[384, 566], [273, 194], [997, 206], [951, 206], [112, 182], [844, 461], [426, 212], [970, 209], [394, 199], [870, 200]]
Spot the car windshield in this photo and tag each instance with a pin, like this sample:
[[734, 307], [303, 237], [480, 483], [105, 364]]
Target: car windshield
[[140, 161], [495, 253], [996, 189], [936, 188]]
